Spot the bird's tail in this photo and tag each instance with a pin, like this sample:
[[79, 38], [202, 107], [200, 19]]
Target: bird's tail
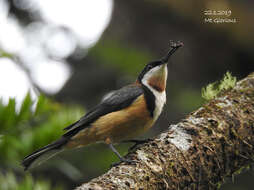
[[43, 154]]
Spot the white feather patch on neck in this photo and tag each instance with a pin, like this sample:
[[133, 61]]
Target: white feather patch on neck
[[160, 97]]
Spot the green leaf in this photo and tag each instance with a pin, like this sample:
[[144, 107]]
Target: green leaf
[[45, 105], [8, 115], [4, 54], [25, 110], [41, 106]]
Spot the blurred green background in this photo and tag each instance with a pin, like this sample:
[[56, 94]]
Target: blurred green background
[[58, 59]]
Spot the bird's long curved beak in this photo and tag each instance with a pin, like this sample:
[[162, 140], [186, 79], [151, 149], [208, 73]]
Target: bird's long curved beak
[[174, 47]]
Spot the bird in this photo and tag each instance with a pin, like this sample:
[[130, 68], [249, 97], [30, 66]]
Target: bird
[[121, 115]]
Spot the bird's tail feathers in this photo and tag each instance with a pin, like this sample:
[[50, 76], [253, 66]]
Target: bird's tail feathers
[[43, 154]]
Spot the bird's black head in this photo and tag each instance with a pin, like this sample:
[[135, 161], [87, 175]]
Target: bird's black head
[[152, 65], [149, 67]]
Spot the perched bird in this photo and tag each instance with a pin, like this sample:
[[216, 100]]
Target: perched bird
[[120, 116]]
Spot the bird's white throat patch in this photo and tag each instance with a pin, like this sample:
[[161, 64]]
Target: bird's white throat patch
[[160, 97], [160, 100]]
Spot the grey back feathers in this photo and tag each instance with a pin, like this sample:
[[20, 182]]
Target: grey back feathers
[[114, 101]]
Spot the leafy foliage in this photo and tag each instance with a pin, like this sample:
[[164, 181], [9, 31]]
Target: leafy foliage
[[9, 181], [25, 129]]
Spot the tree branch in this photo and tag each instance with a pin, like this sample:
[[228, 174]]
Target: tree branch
[[212, 143]]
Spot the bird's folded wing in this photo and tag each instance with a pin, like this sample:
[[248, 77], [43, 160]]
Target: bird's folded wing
[[115, 101]]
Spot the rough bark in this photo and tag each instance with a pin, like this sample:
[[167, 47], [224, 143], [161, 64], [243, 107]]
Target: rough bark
[[200, 152]]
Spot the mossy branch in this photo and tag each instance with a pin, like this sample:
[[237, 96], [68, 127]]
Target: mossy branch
[[200, 152]]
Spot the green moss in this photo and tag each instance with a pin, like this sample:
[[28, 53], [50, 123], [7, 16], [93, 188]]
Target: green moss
[[212, 90], [170, 171], [239, 171], [219, 185]]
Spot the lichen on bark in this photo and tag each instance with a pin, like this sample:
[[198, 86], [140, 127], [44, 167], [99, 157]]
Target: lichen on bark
[[200, 152]]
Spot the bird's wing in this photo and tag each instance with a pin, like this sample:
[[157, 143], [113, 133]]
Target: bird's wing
[[115, 101]]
